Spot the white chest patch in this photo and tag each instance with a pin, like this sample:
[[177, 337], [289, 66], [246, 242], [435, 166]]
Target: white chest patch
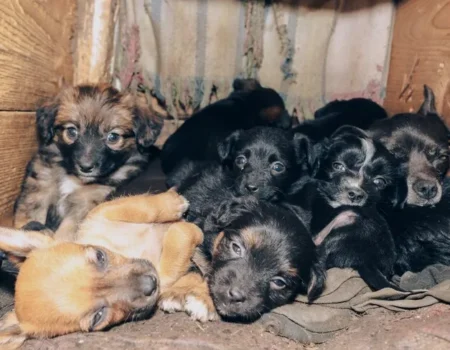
[[68, 185]]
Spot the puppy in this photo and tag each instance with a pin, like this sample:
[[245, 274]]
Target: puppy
[[248, 105], [262, 162], [125, 253], [262, 258], [91, 140], [420, 142], [357, 112], [354, 173]]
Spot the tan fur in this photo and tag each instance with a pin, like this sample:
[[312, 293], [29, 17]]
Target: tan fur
[[59, 286], [217, 242], [251, 238]]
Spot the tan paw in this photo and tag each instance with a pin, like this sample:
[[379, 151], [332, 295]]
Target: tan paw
[[176, 204], [198, 309]]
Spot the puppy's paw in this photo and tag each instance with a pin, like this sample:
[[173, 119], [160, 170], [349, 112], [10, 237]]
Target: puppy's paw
[[171, 305], [175, 204], [199, 310]]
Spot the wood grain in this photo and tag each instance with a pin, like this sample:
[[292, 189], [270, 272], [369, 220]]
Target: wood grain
[[17, 146], [35, 50], [421, 39]]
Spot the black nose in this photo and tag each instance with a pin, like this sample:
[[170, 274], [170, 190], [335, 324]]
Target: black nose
[[251, 188], [356, 195], [86, 168], [236, 295], [149, 284], [425, 189]]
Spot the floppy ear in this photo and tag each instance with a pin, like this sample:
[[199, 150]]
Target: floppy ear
[[246, 84], [17, 244], [147, 125], [429, 104], [349, 130], [45, 120], [11, 335], [307, 152], [317, 282], [225, 148]]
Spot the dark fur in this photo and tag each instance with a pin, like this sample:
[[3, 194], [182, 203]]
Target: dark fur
[[358, 112], [262, 245], [91, 139], [419, 141], [248, 106], [354, 174]]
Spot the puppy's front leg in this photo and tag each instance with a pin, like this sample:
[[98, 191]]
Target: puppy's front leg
[[190, 294], [159, 208], [179, 245]]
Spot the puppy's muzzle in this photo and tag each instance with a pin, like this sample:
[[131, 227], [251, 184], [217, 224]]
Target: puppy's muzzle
[[356, 196], [426, 189]]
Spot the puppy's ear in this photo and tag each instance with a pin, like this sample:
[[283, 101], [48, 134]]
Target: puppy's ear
[[349, 130], [317, 282], [399, 193], [307, 152], [11, 335], [429, 104], [147, 125], [45, 120], [246, 84], [18, 244], [225, 148]]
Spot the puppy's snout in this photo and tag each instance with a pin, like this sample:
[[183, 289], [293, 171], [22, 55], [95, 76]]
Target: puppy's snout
[[236, 295], [86, 167], [251, 188], [149, 284], [425, 188], [356, 195]]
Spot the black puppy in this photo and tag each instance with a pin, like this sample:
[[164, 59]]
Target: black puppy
[[262, 258], [358, 112], [419, 141], [354, 173], [262, 162], [249, 105]]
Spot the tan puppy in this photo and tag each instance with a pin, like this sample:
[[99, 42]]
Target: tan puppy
[[126, 253]]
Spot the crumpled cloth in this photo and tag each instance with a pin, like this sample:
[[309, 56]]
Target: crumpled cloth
[[346, 295]]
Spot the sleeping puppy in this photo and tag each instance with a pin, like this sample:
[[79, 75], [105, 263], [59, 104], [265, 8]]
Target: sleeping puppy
[[354, 173], [247, 106], [92, 138], [256, 256], [358, 112], [262, 162], [419, 141]]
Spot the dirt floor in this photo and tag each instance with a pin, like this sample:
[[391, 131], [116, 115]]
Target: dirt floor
[[427, 329]]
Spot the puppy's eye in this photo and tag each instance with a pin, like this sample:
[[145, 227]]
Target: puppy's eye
[[380, 182], [98, 317], [113, 138], [241, 161], [278, 283], [338, 166], [101, 258], [71, 133], [278, 167], [236, 248], [443, 158], [432, 152]]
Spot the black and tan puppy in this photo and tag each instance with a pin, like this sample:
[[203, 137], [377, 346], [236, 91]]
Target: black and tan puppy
[[354, 175], [262, 162], [358, 112], [247, 106], [256, 256], [91, 139], [420, 142]]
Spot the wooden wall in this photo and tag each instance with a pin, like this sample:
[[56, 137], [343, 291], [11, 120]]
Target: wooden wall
[[420, 55], [35, 56]]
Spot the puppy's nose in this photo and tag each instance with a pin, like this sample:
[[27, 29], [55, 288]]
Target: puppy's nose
[[149, 284], [251, 188], [425, 189], [86, 167], [236, 295], [356, 195]]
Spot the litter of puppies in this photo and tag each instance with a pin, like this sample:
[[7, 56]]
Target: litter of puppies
[[256, 212]]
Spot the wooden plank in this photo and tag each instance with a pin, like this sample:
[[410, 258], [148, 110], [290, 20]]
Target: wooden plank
[[35, 50], [17, 146], [420, 55]]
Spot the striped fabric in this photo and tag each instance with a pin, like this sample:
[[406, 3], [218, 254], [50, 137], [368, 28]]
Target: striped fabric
[[187, 52]]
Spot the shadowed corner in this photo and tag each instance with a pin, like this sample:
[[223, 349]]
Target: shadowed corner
[[8, 278]]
